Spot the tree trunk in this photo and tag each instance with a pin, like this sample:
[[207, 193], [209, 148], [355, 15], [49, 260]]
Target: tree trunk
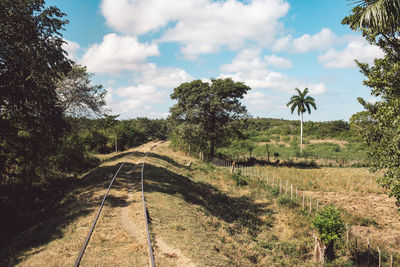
[[116, 143], [319, 251], [301, 132], [212, 149], [267, 153]]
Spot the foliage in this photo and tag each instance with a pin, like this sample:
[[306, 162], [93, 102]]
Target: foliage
[[329, 224], [302, 102], [78, 97], [31, 60], [239, 179], [379, 23], [205, 112]]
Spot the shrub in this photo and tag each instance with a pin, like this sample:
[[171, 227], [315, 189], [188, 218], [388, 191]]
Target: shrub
[[239, 180], [330, 227]]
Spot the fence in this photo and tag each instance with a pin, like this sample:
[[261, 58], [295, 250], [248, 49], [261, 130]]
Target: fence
[[366, 251]]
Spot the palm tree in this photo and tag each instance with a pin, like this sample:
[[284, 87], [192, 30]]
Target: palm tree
[[378, 15], [302, 102]]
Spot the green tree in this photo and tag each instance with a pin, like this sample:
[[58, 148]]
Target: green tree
[[31, 61], [78, 96], [207, 110], [379, 23], [303, 103]]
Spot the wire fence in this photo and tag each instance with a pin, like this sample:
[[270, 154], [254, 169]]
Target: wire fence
[[365, 251]]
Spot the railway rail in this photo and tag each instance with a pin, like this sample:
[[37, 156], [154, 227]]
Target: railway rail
[[150, 250]]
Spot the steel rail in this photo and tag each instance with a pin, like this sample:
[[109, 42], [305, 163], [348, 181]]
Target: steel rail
[[78, 260], [146, 219]]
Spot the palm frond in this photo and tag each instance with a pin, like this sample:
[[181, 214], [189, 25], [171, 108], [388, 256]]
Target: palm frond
[[378, 14]]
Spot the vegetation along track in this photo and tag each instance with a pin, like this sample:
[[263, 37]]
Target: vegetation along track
[[125, 211]]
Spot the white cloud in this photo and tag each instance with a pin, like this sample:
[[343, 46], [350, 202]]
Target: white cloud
[[71, 48], [319, 41], [141, 92], [135, 101], [259, 101], [249, 67], [278, 61], [356, 49], [117, 53], [167, 77], [200, 26]]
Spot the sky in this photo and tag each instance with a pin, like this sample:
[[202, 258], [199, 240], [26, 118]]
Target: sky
[[140, 50]]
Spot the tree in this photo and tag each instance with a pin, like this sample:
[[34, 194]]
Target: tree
[[31, 61], [207, 111], [78, 96], [379, 23], [303, 103]]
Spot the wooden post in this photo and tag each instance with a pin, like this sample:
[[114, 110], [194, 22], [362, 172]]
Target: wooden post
[[233, 166], [291, 191], [296, 192], [317, 204], [310, 205], [379, 252], [347, 236], [303, 201], [391, 260]]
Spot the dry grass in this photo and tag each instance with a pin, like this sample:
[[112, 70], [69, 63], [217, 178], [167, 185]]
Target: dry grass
[[322, 179], [198, 217]]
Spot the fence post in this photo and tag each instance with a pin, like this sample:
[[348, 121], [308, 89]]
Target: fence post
[[303, 201], [310, 205], [291, 191], [379, 251], [296, 192], [347, 236]]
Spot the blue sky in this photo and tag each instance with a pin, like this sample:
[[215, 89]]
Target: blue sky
[[140, 50]]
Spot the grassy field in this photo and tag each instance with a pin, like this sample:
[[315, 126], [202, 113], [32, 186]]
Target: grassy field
[[200, 217]]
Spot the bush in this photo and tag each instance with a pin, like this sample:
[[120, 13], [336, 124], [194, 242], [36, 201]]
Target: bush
[[330, 227], [239, 180]]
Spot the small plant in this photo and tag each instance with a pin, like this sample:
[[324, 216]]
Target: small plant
[[330, 228], [239, 180], [287, 202]]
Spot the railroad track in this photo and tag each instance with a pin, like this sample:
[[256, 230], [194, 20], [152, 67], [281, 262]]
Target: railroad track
[[150, 249]]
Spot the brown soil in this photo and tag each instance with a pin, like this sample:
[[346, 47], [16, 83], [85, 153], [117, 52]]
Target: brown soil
[[341, 143]]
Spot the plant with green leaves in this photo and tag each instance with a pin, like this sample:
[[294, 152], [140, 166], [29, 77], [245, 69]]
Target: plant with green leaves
[[303, 103], [330, 228], [31, 61], [379, 22], [207, 111]]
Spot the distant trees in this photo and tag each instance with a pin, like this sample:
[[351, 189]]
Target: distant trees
[[204, 113], [302, 103], [379, 23], [31, 61]]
